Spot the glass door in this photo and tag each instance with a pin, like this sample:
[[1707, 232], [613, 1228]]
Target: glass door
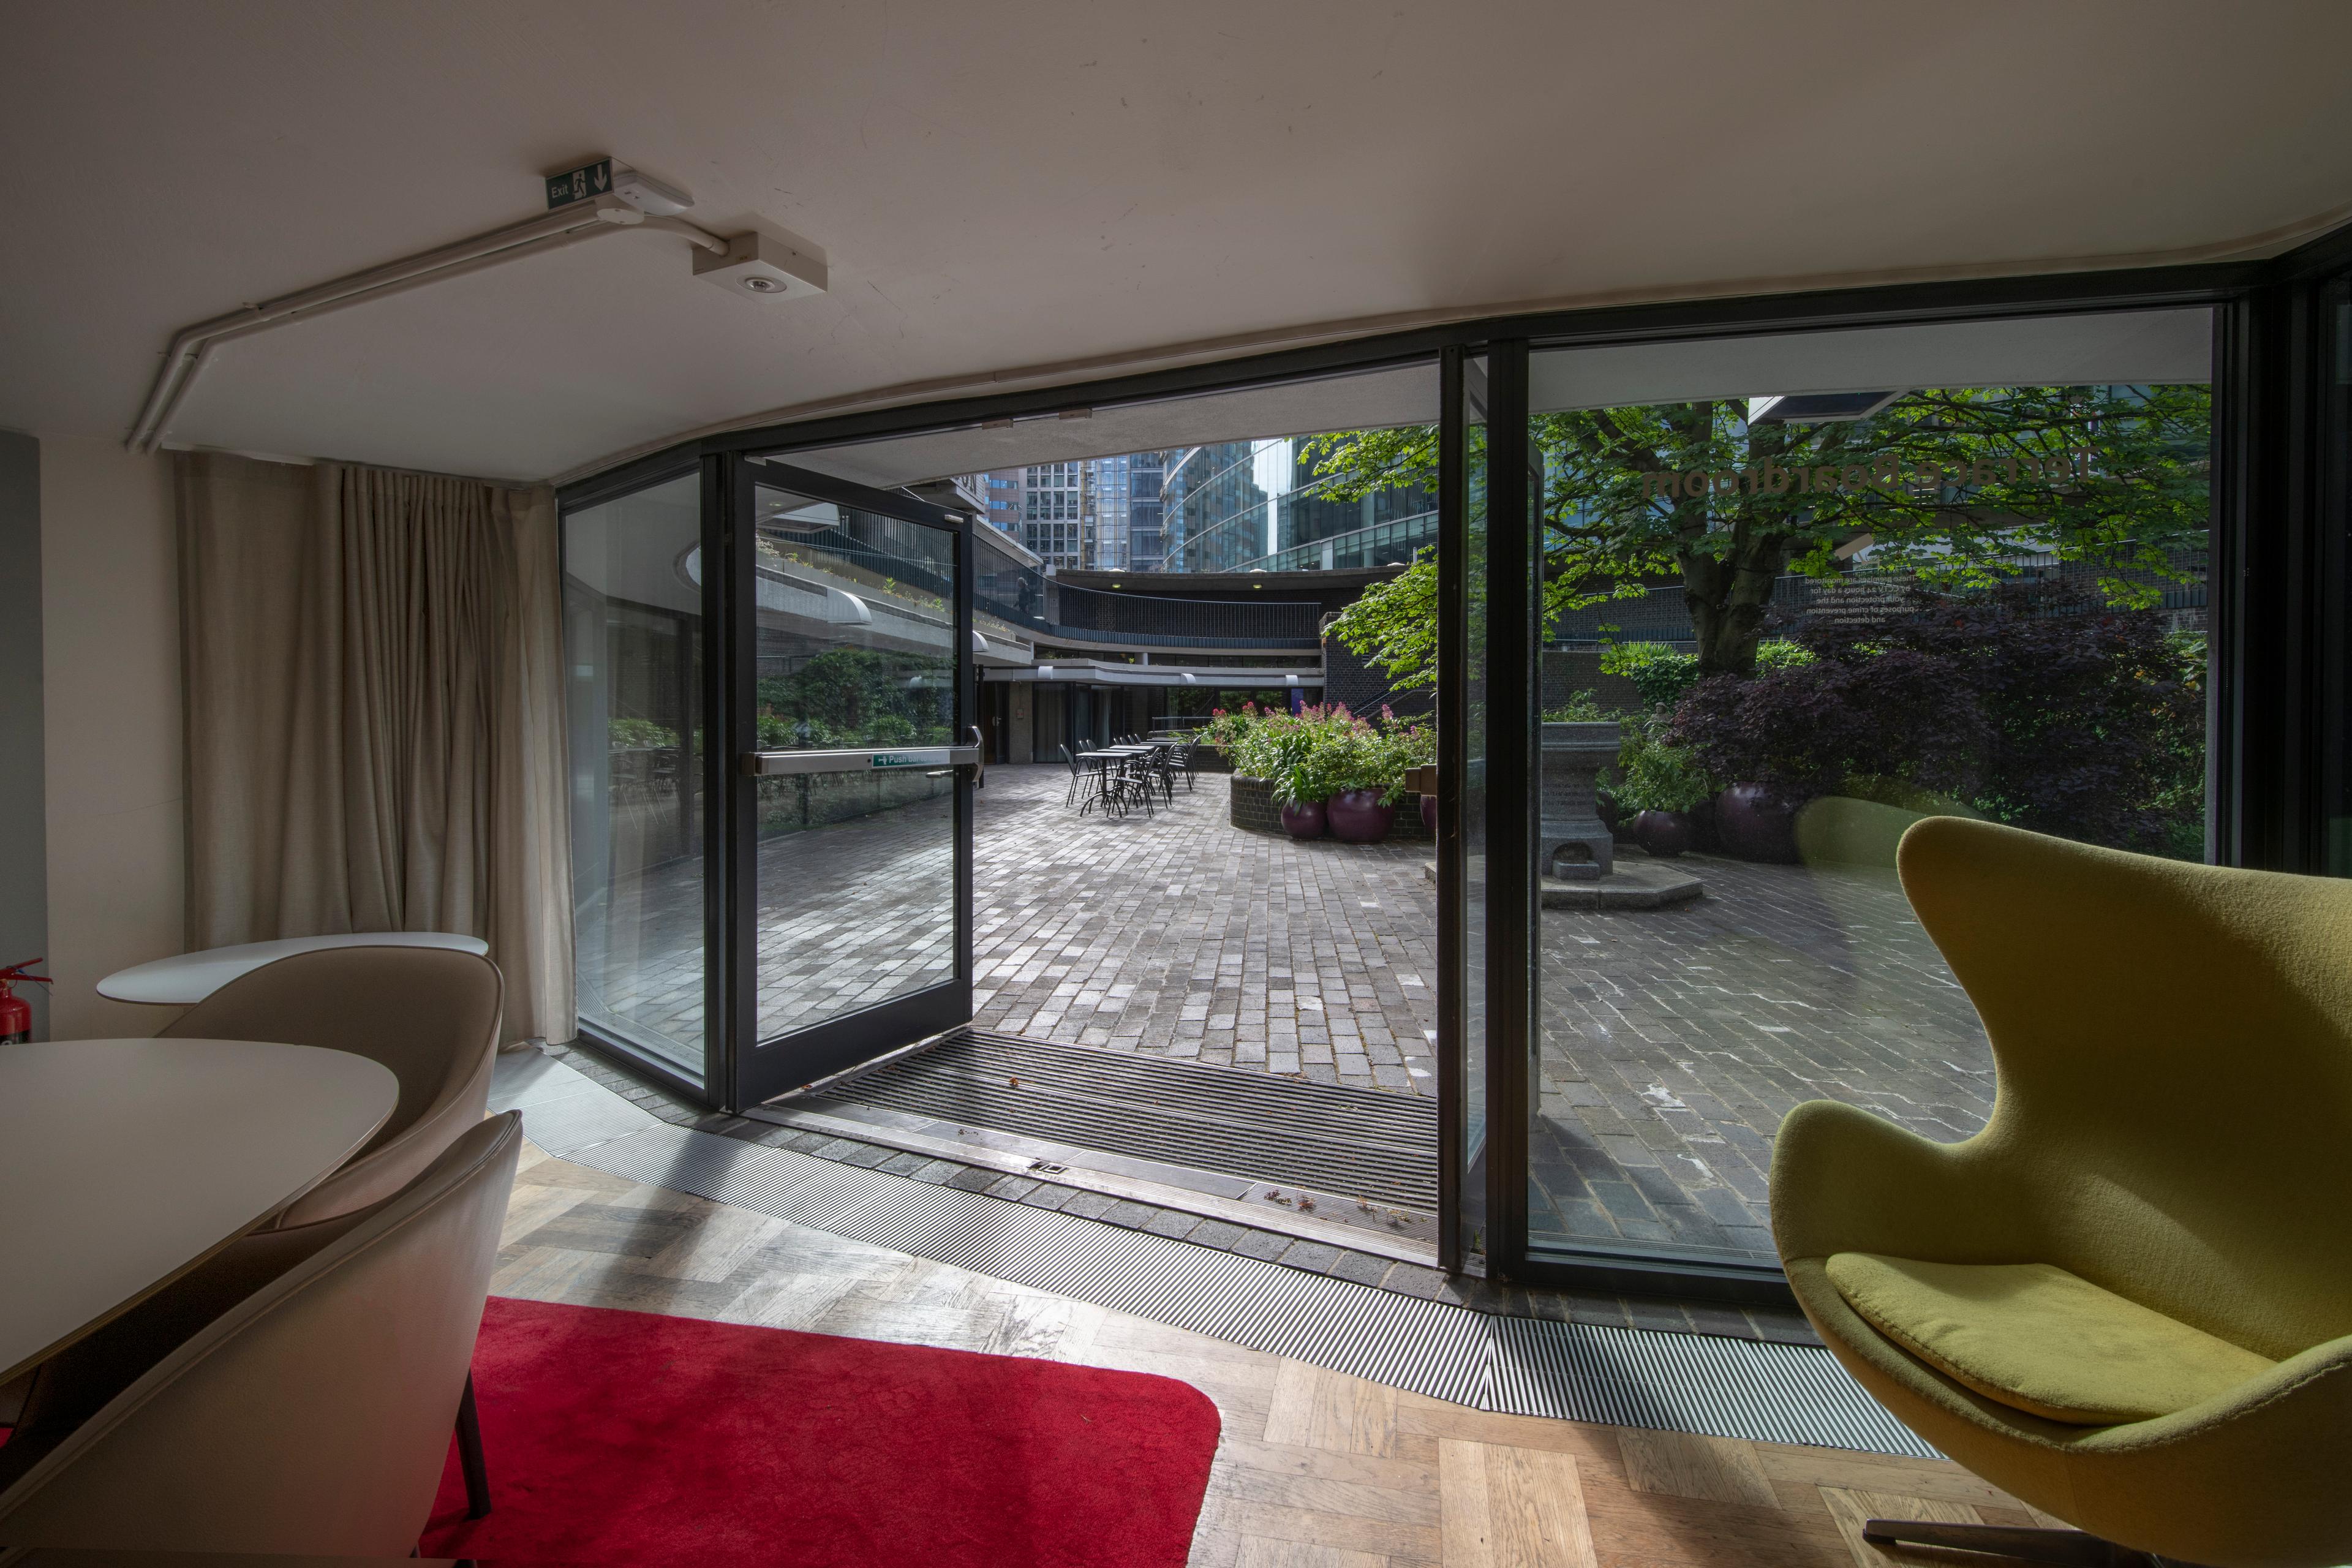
[[853, 813]]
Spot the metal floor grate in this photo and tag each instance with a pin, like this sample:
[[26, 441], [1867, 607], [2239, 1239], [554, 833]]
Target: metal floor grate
[[1347, 1142], [1581, 1371]]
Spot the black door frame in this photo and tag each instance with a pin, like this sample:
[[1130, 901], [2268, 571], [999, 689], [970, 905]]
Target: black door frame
[[2276, 603]]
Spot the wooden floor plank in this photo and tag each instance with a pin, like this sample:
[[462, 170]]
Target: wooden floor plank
[[1535, 1507], [715, 1248], [1849, 1509], [1322, 1464], [528, 1207], [1320, 1495], [1256, 1552], [1400, 1543], [1633, 1527], [1466, 1516], [1721, 1469], [1805, 1468], [1418, 1414], [1290, 1419]]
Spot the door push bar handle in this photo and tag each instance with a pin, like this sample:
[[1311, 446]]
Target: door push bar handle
[[767, 764]]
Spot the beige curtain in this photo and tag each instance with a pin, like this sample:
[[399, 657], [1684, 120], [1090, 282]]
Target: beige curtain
[[374, 714]]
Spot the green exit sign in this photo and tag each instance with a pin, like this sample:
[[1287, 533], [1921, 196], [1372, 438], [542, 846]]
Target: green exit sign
[[584, 183]]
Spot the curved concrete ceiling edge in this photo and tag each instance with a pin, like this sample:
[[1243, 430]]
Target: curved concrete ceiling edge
[[1081, 372]]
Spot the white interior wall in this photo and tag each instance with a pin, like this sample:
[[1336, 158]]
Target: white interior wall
[[114, 771]]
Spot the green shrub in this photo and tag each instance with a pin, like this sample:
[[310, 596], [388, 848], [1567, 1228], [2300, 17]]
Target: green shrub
[[1582, 708], [1664, 677], [1313, 754], [1655, 774], [1659, 673], [622, 732]]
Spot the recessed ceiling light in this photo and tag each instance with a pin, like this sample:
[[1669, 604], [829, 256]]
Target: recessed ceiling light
[[762, 267]]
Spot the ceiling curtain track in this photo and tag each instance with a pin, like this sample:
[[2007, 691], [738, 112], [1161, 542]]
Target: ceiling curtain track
[[374, 714]]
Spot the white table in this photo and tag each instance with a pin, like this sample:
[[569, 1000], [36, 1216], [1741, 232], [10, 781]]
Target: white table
[[123, 1163], [190, 977]]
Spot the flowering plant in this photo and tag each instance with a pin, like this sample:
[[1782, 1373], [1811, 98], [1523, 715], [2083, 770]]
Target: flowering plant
[[1319, 752]]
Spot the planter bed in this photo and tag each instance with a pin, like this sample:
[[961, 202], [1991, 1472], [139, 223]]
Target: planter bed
[[1254, 811]]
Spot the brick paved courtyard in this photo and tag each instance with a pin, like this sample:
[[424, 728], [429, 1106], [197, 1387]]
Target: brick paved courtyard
[[1672, 1040], [1179, 935]]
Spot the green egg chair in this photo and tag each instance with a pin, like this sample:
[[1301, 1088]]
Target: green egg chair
[[2127, 1301]]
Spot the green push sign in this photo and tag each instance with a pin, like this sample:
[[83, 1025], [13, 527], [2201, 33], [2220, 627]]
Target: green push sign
[[891, 760], [584, 183]]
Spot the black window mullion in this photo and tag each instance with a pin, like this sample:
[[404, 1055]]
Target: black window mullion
[[728, 544], [1511, 804], [1453, 753]]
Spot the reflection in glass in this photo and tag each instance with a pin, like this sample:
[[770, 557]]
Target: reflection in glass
[[1812, 624], [855, 652], [633, 632]]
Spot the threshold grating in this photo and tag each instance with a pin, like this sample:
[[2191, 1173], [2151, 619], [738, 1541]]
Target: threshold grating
[[1698, 1383], [1347, 1142]]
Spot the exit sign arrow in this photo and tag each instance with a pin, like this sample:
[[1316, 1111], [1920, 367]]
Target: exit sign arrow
[[584, 183]]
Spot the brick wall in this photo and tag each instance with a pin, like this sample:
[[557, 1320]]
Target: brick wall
[[1348, 678], [1567, 671]]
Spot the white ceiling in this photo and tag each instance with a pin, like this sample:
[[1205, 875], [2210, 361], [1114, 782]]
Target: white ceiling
[[1041, 182]]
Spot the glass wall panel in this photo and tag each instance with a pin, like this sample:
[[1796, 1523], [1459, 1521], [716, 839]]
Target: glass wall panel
[[856, 652], [1799, 592], [634, 650]]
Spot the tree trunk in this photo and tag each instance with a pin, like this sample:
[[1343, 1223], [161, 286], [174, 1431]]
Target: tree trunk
[[1727, 595]]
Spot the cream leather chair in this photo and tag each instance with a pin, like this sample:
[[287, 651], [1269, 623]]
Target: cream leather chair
[[311, 1416], [429, 1015]]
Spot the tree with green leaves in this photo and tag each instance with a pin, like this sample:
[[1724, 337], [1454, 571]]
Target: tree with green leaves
[[1951, 488]]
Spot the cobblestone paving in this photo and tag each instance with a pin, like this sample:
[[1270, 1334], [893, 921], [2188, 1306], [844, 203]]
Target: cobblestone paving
[[1179, 935], [1674, 1040]]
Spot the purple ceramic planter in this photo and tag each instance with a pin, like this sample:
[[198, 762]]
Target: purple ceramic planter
[[1664, 834], [1303, 821], [1357, 816], [1756, 824]]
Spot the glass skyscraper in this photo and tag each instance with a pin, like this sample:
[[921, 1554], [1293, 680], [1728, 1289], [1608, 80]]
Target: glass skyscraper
[[1246, 506]]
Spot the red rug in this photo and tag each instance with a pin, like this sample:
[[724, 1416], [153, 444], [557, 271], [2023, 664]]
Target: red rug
[[633, 1438]]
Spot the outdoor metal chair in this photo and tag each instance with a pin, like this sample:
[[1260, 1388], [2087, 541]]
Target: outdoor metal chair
[[1134, 784]]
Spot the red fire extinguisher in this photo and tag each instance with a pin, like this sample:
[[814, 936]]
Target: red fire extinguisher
[[15, 1017]]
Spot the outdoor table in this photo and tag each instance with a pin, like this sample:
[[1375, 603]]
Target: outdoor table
[[128, 1163], [190, 977], [1100, 761]]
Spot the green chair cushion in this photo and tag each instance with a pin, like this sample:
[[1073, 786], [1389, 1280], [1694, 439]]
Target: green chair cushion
[[2040, 1340]]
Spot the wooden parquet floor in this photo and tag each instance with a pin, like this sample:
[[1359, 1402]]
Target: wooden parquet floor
[[1315, 1470]]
